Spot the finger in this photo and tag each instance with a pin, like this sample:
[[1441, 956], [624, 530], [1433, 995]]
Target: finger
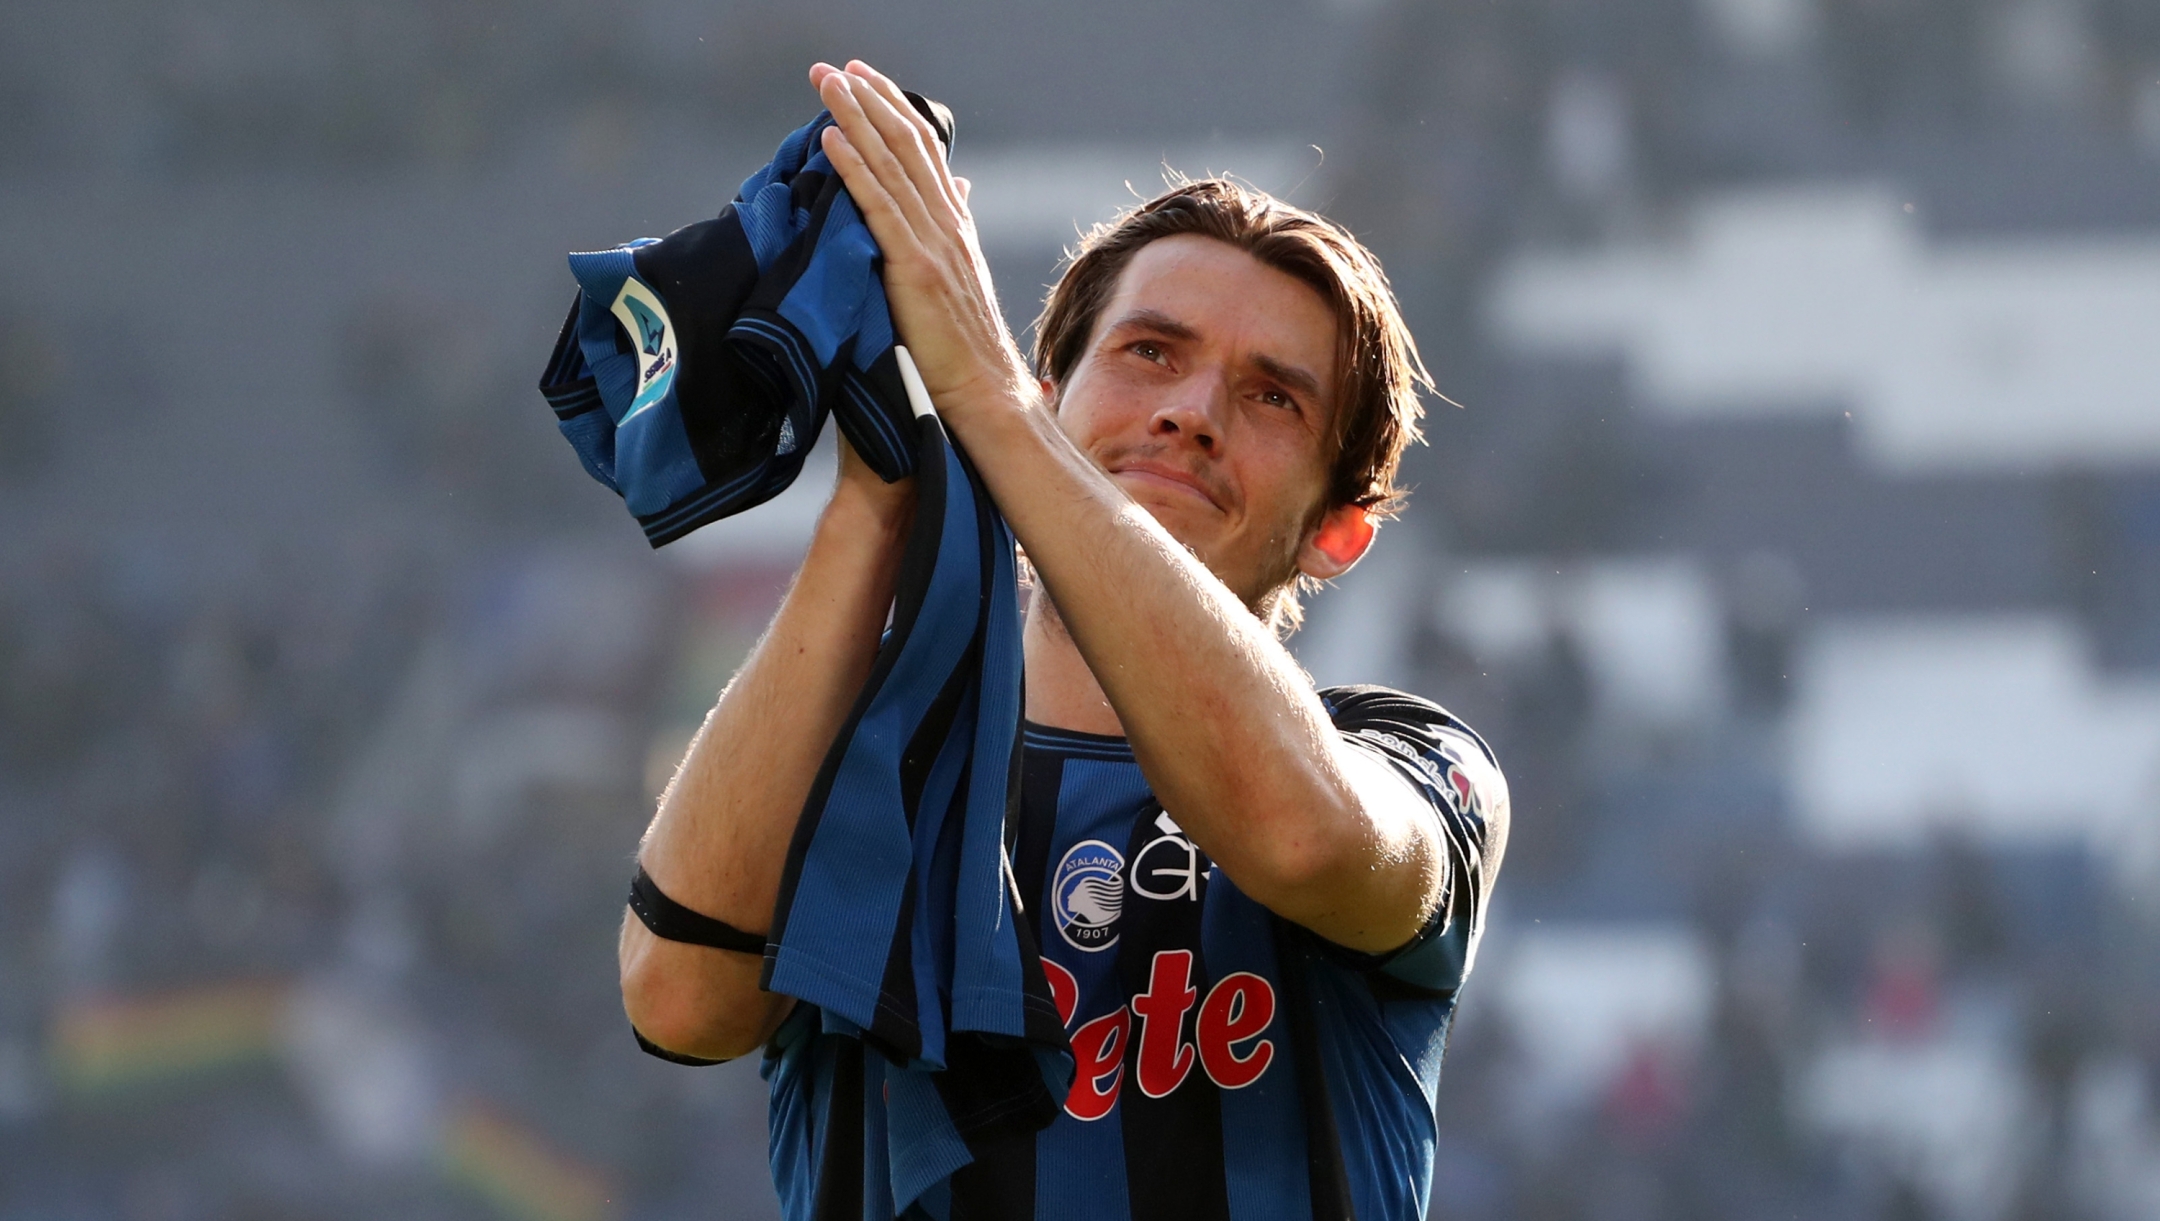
[[889, 225], [893, 94], [932, 165], [904, 126], [846, 97], [963, 186], [849, 99], [818, 72], [912, 139], [921, 149]]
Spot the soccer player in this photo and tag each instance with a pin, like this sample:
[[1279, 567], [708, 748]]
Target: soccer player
[[1255, 902]]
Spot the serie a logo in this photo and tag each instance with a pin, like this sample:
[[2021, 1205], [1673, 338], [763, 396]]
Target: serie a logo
[[652, 336]]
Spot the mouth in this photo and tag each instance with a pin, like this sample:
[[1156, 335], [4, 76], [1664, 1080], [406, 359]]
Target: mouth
[[1156, 475]]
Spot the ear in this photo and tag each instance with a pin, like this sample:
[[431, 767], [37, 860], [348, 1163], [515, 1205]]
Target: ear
[[1050, 394], [1337, 543]]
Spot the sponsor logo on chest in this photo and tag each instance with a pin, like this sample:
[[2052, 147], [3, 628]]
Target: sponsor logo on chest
[[1168, 866], [1224, 1039], [1166, 1032]]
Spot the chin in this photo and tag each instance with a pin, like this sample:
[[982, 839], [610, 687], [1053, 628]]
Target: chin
[[1161, 498], [1187, 520], [1198, 530]]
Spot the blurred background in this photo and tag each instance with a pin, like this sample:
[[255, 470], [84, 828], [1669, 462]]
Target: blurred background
[[1797, 545]]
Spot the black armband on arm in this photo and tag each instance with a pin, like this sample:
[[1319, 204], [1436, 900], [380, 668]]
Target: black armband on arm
[[671, 921], [651, 1048]]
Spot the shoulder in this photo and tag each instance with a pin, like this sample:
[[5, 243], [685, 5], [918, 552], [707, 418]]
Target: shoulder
[[1434, 745], [1364, 705], [1455, 771]]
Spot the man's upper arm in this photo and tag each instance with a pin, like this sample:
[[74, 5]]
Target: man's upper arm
[[1453, 773]]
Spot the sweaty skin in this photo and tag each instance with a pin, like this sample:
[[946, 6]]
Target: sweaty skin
[[1162, 493]]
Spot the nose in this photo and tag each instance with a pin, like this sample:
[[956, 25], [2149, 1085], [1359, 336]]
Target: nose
[[1193, 410]]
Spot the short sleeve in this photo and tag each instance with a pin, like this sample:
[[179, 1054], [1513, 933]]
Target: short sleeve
[[1453, 768]]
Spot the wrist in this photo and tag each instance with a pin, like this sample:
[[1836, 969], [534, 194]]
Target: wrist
[[989, 400], [878, 514]]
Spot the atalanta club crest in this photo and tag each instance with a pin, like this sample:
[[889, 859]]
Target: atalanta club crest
[[1087, 894]]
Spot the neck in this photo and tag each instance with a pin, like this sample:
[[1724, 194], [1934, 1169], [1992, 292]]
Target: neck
[[1061, 691]]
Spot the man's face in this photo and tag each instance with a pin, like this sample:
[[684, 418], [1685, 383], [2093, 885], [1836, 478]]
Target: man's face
[[1206, 392]]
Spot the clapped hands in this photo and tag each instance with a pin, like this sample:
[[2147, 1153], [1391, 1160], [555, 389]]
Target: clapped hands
[[936, 280]]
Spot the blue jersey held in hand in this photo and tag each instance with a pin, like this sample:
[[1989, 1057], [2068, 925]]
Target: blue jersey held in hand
[[696, 370]]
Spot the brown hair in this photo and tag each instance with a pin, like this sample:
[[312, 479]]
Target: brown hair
[[1377, 406]]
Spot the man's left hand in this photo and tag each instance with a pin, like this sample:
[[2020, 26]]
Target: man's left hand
[[936, 280]]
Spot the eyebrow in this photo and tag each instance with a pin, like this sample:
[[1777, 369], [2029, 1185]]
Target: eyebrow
[[1297, 379], [1294, 377], [1157, 321]]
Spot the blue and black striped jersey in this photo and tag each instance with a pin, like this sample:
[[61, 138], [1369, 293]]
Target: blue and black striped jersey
[[1229, 1064]]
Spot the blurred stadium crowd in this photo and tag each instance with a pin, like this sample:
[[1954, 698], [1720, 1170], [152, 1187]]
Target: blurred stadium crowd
[[1797, 546]]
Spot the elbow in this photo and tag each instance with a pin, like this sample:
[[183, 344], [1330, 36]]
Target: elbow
[[1346, 883], [1283, 842], [1299, 869], [690, 1008]]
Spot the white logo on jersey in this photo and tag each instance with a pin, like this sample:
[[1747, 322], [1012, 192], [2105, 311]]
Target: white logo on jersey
[[1178, 860], [1087, 894]]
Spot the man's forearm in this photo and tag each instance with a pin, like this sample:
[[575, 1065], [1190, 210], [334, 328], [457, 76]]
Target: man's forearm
[[1222, 720], [719, 841]]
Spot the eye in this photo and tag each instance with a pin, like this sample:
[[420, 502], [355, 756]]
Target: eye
[[1148, 349], [1276, 398]]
